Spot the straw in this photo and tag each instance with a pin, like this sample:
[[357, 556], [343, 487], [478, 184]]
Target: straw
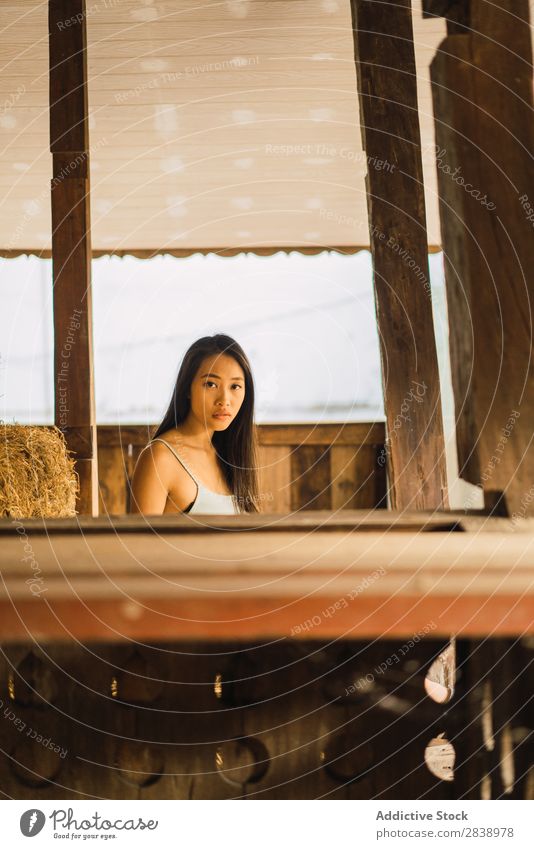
[[37, 477]]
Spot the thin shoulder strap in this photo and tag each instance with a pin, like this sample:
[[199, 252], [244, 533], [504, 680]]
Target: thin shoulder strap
[[171, 448]]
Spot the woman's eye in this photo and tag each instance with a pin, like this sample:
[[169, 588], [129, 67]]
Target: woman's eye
[[212, 383]]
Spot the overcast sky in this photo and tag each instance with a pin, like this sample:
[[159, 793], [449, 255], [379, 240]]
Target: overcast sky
[[306, 322]]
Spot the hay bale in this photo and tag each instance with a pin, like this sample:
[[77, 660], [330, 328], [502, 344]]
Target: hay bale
[[37, 477]]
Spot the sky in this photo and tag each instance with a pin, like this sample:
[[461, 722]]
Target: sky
[[307, 324]]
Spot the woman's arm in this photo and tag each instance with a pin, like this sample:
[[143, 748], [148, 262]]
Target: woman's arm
[[150, 482]]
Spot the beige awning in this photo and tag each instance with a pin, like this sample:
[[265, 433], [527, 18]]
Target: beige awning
[[224, 125]]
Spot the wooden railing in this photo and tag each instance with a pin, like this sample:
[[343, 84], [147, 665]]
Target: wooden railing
[[302, 466], [351, 573], [185, 650]]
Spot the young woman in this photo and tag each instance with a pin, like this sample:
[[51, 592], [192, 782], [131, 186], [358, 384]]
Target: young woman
[[202, 458]]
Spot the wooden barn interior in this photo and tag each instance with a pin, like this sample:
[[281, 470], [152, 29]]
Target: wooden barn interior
[[360, 638]]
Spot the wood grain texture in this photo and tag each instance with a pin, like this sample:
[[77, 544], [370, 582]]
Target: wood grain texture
[[352, 433], [310, 478], [87, 471], [71, 243], [68, 76], [496, 756], [275, 478], [358, 480], [287, 739], [483, 113], [291, 459], [147, 583], [339, 433], [312, 520], [396, 206], [113, 480]]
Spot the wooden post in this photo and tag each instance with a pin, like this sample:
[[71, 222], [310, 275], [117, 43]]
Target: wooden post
[[483, 106], [71, 243], [387, 85]]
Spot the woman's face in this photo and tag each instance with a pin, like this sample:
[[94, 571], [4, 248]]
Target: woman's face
[[217, 391]]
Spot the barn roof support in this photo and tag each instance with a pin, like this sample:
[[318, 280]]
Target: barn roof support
[[387, 85], [71, 243]]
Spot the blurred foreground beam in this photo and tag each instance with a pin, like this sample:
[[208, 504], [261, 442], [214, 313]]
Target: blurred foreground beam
[[483, 111], [276, 576]]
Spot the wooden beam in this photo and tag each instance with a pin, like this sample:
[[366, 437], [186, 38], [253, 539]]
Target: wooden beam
[[166, 580], [330, 433], [346, 520], [71, 243], [437, 8], [387, 85], [154, 618], [456, 12], [483, 104]]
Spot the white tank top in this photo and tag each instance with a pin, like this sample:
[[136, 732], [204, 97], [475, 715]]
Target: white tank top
[[206, 501]]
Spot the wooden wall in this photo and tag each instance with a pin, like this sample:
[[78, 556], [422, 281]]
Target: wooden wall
[[302, 467], [220, 721]]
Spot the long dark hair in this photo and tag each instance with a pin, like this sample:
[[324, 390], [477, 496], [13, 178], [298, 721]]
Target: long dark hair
[[236, 446]]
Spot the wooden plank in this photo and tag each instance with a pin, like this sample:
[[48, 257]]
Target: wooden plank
[[401, 583], [68, 77], [396, 206], [166, 619], [456, 12], [483, 114], [333, 433], [285, 701], [125, 435], [475, 740], [310, 478], [272, 552], [275, 478], [79, 440], [436, 8], [268, 584], [112, 480], [354, 433], [357, 477], [348, 521], [130, 463], [496, 745], [71, 245]]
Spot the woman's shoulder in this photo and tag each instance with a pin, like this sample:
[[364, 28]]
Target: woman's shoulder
[[171, 437], [157, 460], [158, 476], [157, 452]]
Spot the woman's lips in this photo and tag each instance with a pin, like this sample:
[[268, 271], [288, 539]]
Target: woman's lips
[[221, 415]]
